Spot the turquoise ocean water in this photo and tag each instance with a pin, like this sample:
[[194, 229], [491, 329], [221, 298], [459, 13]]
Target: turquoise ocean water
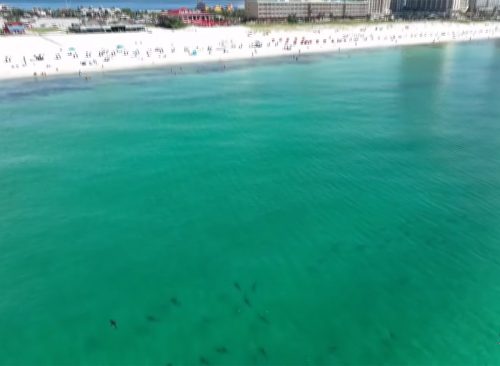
[[343, 209]]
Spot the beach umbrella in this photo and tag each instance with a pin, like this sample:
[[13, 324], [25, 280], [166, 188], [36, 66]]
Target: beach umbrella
[[119, 47], [72, 49]]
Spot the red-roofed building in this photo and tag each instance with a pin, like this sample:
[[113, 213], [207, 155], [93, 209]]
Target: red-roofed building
[[194, 17]]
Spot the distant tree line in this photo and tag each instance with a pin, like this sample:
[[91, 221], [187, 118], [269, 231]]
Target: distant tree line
[[170, 22]]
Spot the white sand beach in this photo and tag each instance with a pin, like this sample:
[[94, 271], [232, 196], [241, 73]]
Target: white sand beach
[[83, 54]]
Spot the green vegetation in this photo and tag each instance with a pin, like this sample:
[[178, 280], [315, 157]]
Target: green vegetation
[[44, 30], [129, 12], [138, 14], [63, 13], [292, 19], [237, 16], [170, 22], [14, 15]]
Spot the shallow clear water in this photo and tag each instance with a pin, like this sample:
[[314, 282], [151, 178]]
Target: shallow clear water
[[342, 209]]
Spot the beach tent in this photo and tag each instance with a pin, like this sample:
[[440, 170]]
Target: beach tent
[[14, 28]]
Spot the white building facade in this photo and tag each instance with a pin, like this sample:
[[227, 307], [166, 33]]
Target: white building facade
[[485, 5], [316, 9]]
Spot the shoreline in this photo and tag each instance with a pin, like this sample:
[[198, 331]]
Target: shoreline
[[231, 64], [22, 57]]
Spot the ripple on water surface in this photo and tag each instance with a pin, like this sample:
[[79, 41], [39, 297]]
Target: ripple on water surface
[[343, 210]]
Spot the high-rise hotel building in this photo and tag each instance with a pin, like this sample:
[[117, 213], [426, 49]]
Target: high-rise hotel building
[[436, 6], [310, 9], [442, 7], [484, 5]]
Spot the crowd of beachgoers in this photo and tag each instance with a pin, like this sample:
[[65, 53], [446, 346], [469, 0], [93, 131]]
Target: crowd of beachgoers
[[84, 54]]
